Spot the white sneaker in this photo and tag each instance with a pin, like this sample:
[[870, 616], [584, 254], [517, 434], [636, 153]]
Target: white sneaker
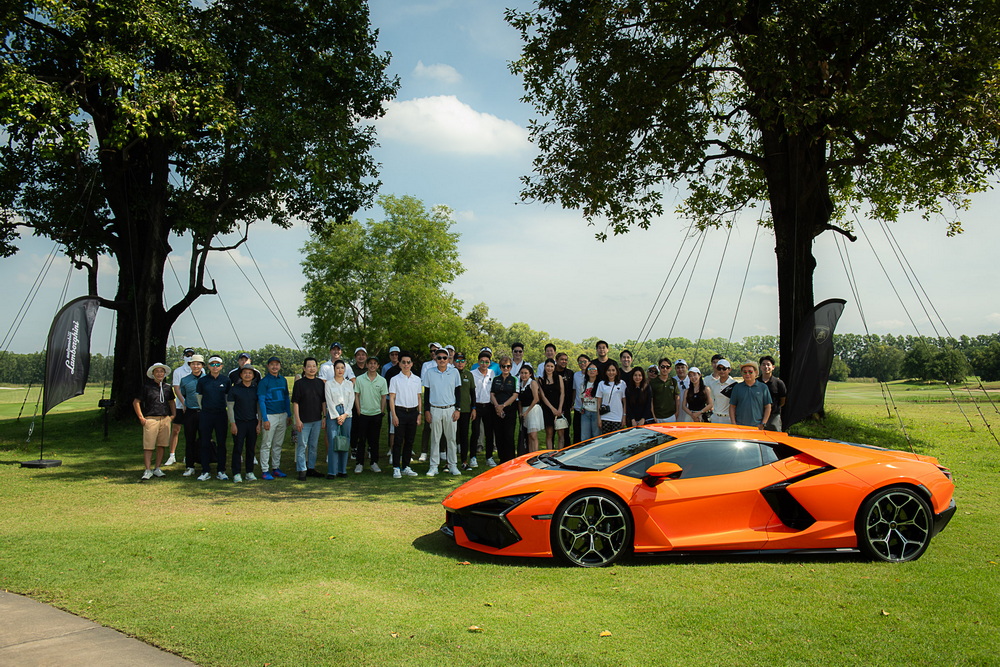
[[237, 478], [408, 471], [223, 476], [148, 474], [251, 477], [159, 473], [473, 463], [188, 472], [374, 468], [396, 474], [422, 457], [432, 472], [170, 460], [491, 463], [359, 468], [204, 477], [454, 470]]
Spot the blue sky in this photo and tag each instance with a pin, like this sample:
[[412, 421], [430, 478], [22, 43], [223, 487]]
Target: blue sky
[[456, 135]]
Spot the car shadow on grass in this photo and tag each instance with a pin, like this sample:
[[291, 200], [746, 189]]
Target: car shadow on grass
[[439, 544]]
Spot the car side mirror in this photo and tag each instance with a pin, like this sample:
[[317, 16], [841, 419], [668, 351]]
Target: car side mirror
[[660, 472]]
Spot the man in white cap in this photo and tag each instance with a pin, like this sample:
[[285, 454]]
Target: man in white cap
[[179, 374], [720, 401], [681, 378], [189, 416], [425, 435], [155, 409], [393, 361]]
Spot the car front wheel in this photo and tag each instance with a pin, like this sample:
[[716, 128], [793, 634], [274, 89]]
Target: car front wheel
[[592, 529], [894, 525]]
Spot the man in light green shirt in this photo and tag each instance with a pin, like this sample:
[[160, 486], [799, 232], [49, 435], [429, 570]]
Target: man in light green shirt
[[372, 390]]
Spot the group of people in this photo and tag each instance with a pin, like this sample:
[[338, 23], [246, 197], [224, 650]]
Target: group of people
[[461, 410]]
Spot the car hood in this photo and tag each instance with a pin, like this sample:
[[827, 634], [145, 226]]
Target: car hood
[[512, 478]]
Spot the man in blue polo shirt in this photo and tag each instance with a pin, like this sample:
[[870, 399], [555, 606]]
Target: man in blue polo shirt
[[441, 396], [750, 401], [276, 412]]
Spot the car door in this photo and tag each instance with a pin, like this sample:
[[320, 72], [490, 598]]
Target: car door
[[714, 505]]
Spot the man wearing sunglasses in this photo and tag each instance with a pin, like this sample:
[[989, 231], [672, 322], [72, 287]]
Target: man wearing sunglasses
[[666, 397], [213, 393], [720, 397], [442, 387], [750, 401]]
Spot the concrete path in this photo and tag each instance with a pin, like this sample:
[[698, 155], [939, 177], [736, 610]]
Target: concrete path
[[32, 633]]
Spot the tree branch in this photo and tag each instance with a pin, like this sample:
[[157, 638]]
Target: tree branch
[[834, 228]]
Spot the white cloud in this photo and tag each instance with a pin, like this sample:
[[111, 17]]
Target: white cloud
[[889, 325], [437, 72], [769, 290], [993, 317], [465, 216], [443, 124]]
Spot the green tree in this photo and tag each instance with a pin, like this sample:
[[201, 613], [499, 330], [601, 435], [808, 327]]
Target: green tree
[[839, 371], [811, 106], [130, 123], [382, 282], [950, 365], [919, 361], [881, 362]]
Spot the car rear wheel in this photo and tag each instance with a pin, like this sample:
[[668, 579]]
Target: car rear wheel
[[894, 525], [592, 529]]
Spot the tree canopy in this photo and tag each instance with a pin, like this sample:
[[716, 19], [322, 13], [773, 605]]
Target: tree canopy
[[382, 282], [810, 106], [129, 123]]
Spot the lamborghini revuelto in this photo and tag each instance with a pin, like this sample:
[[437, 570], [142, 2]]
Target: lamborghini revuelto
[[689, 487]]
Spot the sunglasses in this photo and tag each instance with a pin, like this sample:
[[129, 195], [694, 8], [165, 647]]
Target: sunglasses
[[506, 365], [666, 368], [444, 358], [722, 368], [215, 364]]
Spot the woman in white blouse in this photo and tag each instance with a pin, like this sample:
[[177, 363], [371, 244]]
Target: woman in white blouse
[[610, 401], [339, 402]]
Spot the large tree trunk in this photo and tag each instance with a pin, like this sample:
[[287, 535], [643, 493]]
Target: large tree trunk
[[137, 197], [795, 168]]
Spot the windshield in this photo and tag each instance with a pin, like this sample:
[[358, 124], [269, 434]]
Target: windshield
[[608, 450]]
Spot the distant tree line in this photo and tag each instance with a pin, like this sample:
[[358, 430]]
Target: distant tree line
[[884, 357], [889, 357]]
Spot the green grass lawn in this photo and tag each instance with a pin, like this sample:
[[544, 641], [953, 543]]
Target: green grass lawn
[[355, 572]]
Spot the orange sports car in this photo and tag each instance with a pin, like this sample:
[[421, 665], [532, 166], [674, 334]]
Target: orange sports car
[[689, 487]]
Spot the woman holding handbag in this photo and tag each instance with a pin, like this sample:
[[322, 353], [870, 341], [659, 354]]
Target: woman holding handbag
[[588, 401], [339, 393], [531, 410]]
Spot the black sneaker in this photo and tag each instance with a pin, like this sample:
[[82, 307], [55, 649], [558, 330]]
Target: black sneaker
[[341, 475], [302, 475], [333, 476], [313, 473]]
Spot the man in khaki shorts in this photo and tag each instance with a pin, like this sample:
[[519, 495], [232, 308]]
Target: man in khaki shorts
[[155, 409]]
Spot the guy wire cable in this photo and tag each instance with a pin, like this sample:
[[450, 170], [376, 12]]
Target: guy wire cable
[[276, 305], [718, 272], [739, 299], [915, 328], [901, 257], [643, 331]]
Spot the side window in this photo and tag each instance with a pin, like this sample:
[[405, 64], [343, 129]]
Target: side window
[[704, 459]]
